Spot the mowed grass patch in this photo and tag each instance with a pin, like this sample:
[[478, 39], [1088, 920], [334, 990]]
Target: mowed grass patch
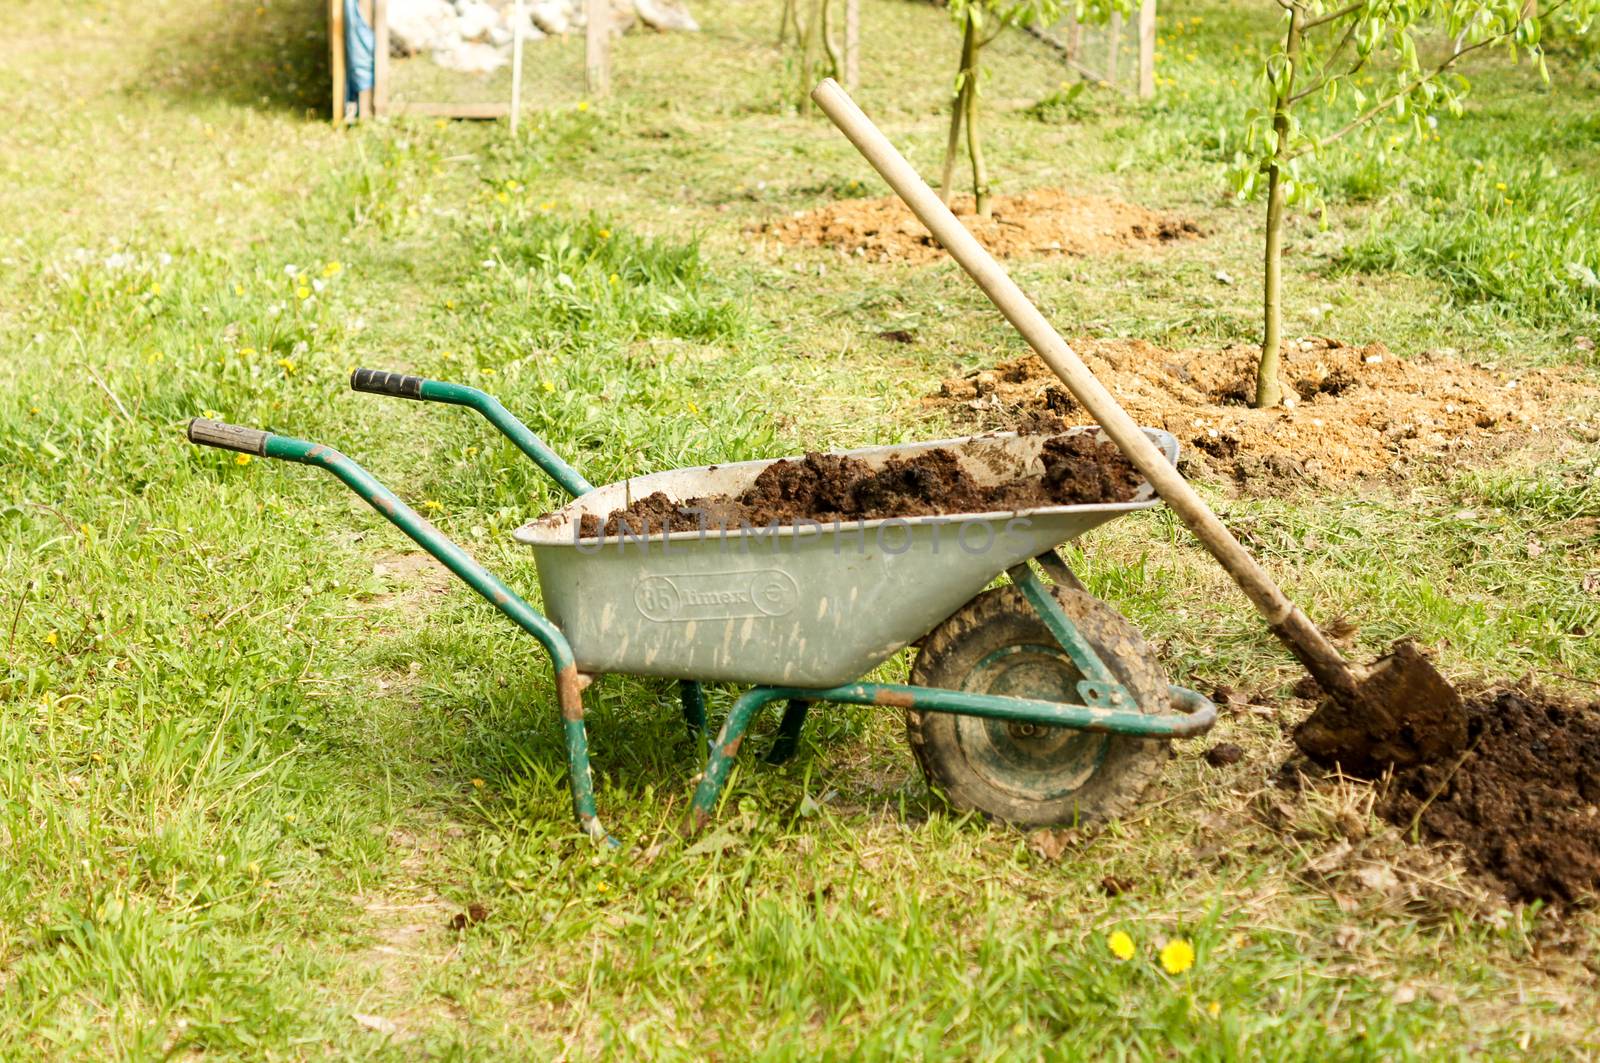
[[250, 781]]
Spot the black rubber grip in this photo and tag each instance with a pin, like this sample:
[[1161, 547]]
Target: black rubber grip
[[227, 436], [379, 382]]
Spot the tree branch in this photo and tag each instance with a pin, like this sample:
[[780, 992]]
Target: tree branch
[[1366, 116], [1333, 16], [1344, 42]]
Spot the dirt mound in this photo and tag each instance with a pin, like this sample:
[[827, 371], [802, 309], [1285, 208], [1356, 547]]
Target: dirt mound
[[1523, 802], [1045, 221], [1356, 411], [830, 487]]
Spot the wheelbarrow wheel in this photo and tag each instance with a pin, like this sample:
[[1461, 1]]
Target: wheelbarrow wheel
[[1028, 774]]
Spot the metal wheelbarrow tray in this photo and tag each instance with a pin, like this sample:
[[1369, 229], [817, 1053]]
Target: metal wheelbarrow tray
[[1032, 702]]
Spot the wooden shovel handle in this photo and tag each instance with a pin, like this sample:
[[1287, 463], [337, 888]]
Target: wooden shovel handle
[[1287, 621]]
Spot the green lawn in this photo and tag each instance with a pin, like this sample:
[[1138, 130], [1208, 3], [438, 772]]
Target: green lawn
[[255, 755]]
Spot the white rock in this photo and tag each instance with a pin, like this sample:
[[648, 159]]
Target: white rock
[[421, 26], [551, 16], [468, 57], [666, 15], [476, 20]]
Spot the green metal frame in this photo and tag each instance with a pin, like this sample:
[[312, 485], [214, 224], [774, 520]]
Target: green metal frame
[[1108, 707]]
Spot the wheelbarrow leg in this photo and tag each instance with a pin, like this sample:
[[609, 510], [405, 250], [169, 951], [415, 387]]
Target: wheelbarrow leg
[[788, 740], [694, 708], [723, 750], [569, 690]]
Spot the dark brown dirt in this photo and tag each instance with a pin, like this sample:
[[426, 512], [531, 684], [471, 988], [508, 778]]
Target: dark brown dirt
[[1356, 413], [1045, 221], [1078, 469], [1523, 801]]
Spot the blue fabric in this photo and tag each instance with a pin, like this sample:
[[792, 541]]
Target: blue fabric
[[360, 68]]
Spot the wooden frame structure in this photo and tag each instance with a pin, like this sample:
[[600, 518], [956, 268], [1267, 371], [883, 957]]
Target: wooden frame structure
[[596, 66]]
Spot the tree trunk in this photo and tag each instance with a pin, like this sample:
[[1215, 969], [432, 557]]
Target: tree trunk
[[980, 172], [1268, 391], [958, 108], [809, 33]]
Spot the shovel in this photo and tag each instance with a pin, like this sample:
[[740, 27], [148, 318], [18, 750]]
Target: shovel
[[1397, 712]]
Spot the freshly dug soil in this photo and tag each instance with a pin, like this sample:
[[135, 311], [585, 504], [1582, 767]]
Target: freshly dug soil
[[1045, 221], [1358, 412], [1078, 469], [1523, 802]]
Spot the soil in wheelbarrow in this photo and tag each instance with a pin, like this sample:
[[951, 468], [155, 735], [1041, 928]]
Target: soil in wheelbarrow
[[1043, 222], [1078, 469], [1352, 412], [1521, 803]]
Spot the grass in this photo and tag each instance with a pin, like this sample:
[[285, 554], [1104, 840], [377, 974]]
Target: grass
[[255, 757]]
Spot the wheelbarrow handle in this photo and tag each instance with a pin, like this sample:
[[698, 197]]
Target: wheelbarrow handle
[[569, 684], [228, 436], [381, 382]]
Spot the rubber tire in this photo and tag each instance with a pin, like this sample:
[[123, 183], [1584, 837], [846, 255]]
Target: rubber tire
[[1002, 617]]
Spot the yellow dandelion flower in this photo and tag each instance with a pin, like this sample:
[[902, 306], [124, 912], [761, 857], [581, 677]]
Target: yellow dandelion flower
[[241, 459], [478, 783], [1177, 956], [210, 415], [439, 123], [583, 105], [332, 269], [1214, 1009], [548, 205], [51, 639], [155, 289], [303, 292], [501, 197], [547, 385], [1120, 944], [614, 280], [287, 365], [238, 289], [472, 452], [431, 506], [602, 887], [1500, 186], [487, 370], [693, 408], [33, 409], [513, 185], [246, 352], [605, 234]]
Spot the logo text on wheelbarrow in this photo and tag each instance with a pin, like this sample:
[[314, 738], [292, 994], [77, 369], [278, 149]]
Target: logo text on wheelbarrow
[[716, 595]]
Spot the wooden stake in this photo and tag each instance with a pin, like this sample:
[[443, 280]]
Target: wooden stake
[[597, 48], [852, 44], [336, 57], [1147, 48], [364, 98], [518, 31], [380, 57], [1074, 35]]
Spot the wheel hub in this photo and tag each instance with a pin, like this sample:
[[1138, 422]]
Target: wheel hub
[[1029, 760]]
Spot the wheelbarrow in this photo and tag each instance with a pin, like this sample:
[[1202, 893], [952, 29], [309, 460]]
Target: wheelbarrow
[[1031, 702]]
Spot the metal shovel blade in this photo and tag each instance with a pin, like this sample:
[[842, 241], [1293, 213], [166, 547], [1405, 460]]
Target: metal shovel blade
[[1402, 713]]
